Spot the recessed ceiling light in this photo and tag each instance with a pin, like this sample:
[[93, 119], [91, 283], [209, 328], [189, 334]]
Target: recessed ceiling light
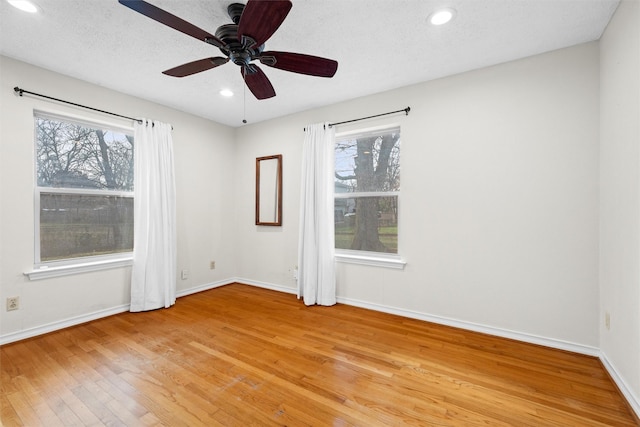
[[226, 92], [24, 5], [442, 16]]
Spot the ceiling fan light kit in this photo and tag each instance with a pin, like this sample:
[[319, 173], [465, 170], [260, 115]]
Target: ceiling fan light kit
[[23, 5], [242, 43], [442, 16]]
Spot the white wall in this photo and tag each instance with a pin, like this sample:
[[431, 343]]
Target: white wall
[[267, 254], [204, 154], [620, 194], [499, 199]]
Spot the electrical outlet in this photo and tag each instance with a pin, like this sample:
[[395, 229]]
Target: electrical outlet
[[212, 265], [13, 303], [607, 320], [184, 274]]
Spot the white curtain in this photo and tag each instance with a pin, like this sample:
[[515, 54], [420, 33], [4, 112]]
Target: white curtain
[[153, 276], [316, 263]]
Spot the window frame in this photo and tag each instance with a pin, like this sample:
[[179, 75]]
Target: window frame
[[73, 265], [361, 257]]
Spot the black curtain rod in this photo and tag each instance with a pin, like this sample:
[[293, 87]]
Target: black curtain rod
[[21, 91], [406, 111]]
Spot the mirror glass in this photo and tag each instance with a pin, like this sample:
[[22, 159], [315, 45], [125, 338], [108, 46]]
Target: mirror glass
[[269, 190]]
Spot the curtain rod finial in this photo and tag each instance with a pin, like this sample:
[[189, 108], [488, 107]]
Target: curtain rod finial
[[406, 110], [17, 89]]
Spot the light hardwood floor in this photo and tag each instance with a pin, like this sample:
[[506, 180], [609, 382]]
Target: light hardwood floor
[[244, 356]]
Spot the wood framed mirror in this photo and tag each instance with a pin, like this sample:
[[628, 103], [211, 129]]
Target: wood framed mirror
[[269, 190]]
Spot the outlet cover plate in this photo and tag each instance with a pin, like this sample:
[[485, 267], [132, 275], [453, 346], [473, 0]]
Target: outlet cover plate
[[13, 303]]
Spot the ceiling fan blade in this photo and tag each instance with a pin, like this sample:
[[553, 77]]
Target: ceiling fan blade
[[172, 21], [260, 19], [258, 83], [300, 63], [195, 67]]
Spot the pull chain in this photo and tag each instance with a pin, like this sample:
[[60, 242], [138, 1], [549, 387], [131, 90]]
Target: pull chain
[[244, 96]]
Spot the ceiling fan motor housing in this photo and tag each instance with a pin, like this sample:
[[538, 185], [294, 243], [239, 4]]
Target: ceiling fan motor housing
[[237, 51]]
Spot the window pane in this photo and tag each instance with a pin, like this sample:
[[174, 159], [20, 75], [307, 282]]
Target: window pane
[[71, 155], [367, 224], [368, 161], [76, 225]]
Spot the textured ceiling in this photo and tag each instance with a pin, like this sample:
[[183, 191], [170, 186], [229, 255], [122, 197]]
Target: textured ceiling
[[379, 45]]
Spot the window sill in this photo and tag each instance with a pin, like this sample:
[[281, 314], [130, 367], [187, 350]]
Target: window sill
[[46, 272], [371, 259]]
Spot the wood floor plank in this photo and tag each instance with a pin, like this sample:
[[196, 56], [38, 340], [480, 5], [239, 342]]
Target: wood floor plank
[[242, 356], [26, 415], [8, 414]]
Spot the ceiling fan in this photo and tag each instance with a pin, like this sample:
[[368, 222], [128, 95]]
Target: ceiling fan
[[242, 43]]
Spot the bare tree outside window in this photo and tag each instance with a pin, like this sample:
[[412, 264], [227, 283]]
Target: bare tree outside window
[[367, 185], [84, 189]]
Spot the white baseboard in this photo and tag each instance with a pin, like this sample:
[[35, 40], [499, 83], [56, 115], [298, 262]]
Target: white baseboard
[[500, 332], [77, 320], [61, 324], [205, 287], [266, 285], [577, 348], [634, 401]]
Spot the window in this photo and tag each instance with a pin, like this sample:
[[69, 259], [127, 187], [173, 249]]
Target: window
[[367, 187], [84, 190]]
